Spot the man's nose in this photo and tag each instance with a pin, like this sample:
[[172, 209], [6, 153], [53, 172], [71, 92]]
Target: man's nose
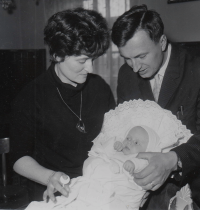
[[89, 66], [135, 65]]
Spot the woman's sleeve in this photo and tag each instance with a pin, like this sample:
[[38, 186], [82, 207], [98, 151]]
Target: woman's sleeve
[[22, 128]]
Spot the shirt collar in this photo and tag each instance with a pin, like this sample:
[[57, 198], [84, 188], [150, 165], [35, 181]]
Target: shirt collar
[[162, 70]]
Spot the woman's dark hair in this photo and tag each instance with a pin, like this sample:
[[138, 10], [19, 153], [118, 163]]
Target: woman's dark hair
[[75, 32], [138, 17]]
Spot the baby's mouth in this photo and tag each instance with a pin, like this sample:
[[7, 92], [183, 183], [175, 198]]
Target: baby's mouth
[[125, 149]]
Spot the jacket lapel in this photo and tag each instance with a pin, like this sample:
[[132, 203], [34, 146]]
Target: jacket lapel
[[145, 89], [171, 78]]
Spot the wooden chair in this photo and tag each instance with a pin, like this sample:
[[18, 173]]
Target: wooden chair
[[11, 196]]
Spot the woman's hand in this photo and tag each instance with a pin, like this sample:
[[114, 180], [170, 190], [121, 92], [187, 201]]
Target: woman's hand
[[54, 185]]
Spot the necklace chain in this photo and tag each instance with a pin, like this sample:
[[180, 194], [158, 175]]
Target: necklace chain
[[69, 107]]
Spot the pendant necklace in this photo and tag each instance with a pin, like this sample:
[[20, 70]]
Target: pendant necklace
[[80, 125]]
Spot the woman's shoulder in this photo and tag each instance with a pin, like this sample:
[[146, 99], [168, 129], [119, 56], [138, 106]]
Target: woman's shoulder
[[96, 80], [37, 85]]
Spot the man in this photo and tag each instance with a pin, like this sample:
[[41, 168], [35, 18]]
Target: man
[[160, 71]]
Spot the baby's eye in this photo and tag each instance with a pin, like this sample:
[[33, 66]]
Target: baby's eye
[[136, 142]]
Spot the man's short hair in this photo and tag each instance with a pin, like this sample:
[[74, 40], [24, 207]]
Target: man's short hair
[[137, 18]]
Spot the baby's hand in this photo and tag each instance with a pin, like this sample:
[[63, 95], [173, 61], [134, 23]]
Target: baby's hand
[[129, 166], [118, 146]]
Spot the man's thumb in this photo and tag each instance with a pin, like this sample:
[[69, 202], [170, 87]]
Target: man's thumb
[[144, 155]]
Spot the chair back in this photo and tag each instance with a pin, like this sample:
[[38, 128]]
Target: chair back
[[4, 145]]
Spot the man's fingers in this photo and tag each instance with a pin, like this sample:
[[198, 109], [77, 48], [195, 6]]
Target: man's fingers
[[156, 187], [145, 155], [150, 169], [144, 198]]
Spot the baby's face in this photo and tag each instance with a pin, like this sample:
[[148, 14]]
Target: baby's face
[[136, 141]]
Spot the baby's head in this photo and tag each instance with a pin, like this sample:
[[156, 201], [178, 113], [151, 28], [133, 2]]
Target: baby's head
[[140, 139]]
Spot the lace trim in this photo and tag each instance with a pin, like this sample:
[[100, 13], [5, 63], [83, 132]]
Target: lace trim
[[138, 112]]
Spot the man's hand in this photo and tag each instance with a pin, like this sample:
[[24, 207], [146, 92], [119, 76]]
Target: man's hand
[[55, 185], [118, 146], [159, 168]]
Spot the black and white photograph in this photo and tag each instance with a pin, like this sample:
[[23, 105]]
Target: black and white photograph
[[100, 105]]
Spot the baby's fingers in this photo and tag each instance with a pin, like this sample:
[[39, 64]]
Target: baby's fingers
[[118, 146], [126, 166]]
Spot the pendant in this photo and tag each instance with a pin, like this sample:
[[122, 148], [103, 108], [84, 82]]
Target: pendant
[[81, 127]]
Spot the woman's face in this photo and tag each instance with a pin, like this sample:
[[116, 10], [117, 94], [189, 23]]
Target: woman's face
[[74, 69]]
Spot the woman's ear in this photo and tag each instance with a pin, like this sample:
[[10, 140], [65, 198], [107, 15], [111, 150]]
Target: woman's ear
[[163, 42], [57, 58]]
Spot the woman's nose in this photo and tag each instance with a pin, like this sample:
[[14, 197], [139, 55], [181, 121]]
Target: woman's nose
[[89, 66]]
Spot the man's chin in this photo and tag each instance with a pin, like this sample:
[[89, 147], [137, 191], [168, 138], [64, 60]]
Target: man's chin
[[145, 76]]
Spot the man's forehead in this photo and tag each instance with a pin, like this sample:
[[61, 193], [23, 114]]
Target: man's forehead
[[140, 43]]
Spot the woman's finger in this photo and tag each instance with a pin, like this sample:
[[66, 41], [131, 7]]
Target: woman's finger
[[50, 192], [45, 196], [64, 190]]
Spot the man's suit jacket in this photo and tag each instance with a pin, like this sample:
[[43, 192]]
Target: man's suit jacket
[[180, 87]]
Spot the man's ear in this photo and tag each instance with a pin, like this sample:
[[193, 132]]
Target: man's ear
[[163, 42]]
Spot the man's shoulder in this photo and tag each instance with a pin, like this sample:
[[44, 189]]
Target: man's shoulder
[[182, 51]]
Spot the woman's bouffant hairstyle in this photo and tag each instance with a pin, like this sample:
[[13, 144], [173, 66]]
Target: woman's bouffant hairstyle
[[75, 32], [137, 18]]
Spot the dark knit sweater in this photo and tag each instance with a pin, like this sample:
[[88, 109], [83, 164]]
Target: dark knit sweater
[[44, 128]]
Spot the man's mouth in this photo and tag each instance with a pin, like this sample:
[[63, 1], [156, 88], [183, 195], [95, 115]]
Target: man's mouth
[[141, 72]]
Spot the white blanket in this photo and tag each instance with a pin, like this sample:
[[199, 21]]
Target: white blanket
[[104, 184]]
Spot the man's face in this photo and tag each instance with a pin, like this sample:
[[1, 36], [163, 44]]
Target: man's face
[[144, 55]]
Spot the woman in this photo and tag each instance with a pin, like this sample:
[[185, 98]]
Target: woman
[[56, 117]]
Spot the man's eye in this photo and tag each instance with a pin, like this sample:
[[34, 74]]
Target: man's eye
[[142, 56]]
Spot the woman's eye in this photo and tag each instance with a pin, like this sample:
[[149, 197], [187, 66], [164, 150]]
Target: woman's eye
[[82, 61]]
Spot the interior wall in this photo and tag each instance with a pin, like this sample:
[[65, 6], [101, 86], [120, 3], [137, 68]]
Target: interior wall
[[23, 29], [181, 20]]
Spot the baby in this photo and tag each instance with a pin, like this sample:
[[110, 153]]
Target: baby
[[138, 139]]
